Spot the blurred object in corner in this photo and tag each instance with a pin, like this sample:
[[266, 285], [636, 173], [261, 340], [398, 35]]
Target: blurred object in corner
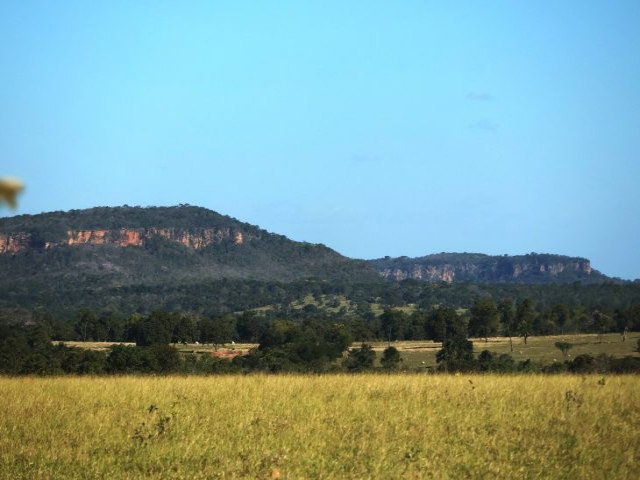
[[10, 187]]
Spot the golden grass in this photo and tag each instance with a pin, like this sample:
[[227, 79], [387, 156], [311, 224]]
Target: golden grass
[[334, 426], [101, 346]]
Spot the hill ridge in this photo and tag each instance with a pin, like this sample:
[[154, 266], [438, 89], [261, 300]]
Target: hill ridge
[[222, 239], [477, 267]]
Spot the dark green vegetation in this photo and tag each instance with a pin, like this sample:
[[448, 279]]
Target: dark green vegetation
[[312, 345], [119, 261], [119, 257], [156, 276]]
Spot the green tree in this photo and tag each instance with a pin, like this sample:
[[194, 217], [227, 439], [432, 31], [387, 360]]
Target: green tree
[[360, 359], [601, 322], [444, 322], [124, 359], [287, 346], [390, 358], [564, 347], [81, 361], [525, 318], [485, 318], [250, 327], [457, 351], [89, 327], [155, 329], [561, 316], [218, 330], [545, 323], [393, 324], [507, 319], [185, 330], [167, 358]]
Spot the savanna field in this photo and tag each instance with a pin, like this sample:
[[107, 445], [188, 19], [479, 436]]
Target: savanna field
[[328, 426]]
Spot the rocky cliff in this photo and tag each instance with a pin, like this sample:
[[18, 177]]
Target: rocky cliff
[[134, 244], [13, 243], [122, 227], [132, 259], [139, 237], [129, 245], [464, 267]]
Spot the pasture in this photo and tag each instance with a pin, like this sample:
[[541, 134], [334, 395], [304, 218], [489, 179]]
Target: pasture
[[540, 349], [421, 354], [330, 426]]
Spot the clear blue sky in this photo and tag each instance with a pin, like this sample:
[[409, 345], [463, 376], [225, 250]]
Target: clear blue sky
[[374, 127]]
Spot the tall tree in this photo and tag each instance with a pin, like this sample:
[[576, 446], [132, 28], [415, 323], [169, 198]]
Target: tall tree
[[390, 358], [155, 329], [446, 326], [90, 327], [485, 318], [394, 324], [525, 318], [184, 330], [601, 323], [561, 316], [443, 323], [507, 319], [250, 327], [360, 359], [218, 330]]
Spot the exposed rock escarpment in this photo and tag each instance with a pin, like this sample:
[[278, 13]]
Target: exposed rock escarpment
[[14, 243], [106, 247], [138, 237], [463, 267], [128, 237], [134, 244]]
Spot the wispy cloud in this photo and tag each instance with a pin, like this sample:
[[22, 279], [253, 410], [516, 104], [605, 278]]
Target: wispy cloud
[[480, 97], [486, 125]]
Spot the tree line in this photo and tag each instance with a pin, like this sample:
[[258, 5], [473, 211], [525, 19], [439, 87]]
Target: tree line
[[485, 318], [82, 289], [284, 345]]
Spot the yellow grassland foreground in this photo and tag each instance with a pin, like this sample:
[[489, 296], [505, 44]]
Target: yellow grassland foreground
[[329, 426]]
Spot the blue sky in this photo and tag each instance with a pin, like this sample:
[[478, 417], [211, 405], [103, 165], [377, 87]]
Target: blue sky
[[374, 127]]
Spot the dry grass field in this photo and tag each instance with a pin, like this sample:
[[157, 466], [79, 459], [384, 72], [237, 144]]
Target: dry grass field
[[333, 426]]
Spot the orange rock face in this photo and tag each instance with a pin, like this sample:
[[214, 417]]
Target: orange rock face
[[445, 273], [99, 237], [94, 237], [14, 243], [129, 237], [196, 240], [79, 237]]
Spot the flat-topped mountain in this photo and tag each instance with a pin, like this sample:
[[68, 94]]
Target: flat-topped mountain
[[185, 258], [476, 267], [129, 245]]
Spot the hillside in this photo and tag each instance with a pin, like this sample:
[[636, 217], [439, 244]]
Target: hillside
[[133, 245], [185, 258], [534, 268]]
